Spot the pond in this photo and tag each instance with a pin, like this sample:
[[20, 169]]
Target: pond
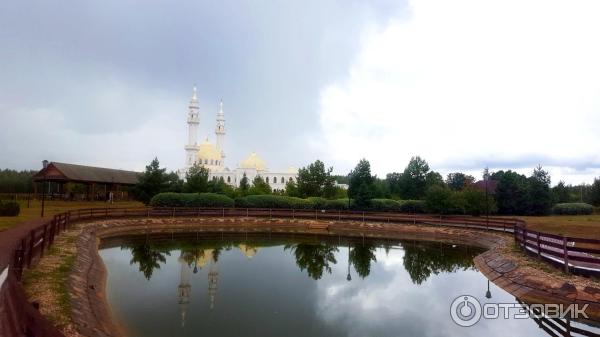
[[296, 286]]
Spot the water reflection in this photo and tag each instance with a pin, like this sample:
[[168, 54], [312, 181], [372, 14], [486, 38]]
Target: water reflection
[[296, 286]]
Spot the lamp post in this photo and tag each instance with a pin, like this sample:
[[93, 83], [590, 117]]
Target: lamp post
[[348, 278], [487, 203]]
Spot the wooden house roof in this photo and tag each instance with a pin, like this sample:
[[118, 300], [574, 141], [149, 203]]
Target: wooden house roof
[[87, 174]]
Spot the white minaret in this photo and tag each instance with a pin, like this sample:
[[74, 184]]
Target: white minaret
[[193, 121], [220, 132]]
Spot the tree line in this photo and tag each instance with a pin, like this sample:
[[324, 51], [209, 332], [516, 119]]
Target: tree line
[[500, 192]]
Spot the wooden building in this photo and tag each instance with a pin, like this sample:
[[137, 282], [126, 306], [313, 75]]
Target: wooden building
[[78, 182]]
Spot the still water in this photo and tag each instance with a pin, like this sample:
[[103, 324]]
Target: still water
[[296, 286]]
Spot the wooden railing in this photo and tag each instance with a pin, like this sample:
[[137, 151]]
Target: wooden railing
[[31, 246], [573, 255]]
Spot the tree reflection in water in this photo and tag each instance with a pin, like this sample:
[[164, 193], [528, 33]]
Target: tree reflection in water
[[148, 258], [421, 259], [361, 256], [315, 258]]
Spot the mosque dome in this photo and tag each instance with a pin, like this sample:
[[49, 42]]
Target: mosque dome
[[208, 153], [254, 162], [249, 251]]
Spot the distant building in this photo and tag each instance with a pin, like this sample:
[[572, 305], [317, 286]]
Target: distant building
[[212, 156], [70, 181]]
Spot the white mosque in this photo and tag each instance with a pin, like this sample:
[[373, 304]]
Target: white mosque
[[212, 156]]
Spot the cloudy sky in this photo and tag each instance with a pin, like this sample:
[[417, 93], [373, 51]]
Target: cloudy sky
[[464, 84]]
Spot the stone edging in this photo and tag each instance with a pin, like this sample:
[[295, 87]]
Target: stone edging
[[92, 317]]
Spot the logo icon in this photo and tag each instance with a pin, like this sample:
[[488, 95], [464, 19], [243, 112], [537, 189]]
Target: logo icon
[[465, 310]]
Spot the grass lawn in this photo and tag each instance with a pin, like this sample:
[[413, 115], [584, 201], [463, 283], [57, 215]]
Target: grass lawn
[[55, 207], [584, 226]]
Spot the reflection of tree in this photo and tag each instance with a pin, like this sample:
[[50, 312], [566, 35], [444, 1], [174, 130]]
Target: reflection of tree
[[315, 258], [423, 259], [361, 256], [216, 253], [148, 258]]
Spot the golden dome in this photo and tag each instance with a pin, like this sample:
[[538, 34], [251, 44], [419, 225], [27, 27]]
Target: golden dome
[[208, 151], [254, 162], [249, 251]]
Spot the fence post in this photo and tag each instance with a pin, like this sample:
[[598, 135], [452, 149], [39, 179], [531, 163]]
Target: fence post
[[31, 242], [44, 239], [524, 241], [270, 213], [293, 214], [363, 216], [339, 215], [566, 254], [316, 215], [247, 212]]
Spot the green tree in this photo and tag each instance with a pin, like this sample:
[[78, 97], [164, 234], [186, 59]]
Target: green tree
[[260, 186], [511, 192], [316, 181], [361, 186], [595, 192], [196, 179], [539, 195], [244, 187], [413, 182], [219, 186], [475, 201], [12, 181], [458, 181], [394, 181], [291, 189], [433, 179], [439, 200], [153, 181], [175, 184], [560, 193]]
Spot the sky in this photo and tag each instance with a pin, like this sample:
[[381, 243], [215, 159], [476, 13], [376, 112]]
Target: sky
[[463, 84]]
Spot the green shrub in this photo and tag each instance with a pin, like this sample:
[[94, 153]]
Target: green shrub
[[385, 205], [412, 206], [9, 208], [317, 202], [170, 199], [575, 208], [337, 204], [273, 201]]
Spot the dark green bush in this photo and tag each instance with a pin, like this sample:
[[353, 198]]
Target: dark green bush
[[412, 206], [273, 201], [318, 202], [385, 205], [9, 208], [191, 200], [575, 208], [337, 204]]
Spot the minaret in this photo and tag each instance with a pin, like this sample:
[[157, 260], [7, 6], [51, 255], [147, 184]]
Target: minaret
[[220, 132], [213, 279], [193, 121], [184, 289]]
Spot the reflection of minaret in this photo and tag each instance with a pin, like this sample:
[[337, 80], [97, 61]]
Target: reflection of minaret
[[185, 288], [213, 278]]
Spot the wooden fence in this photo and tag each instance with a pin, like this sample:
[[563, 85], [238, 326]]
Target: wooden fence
[[31, 246], [573, 255]]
